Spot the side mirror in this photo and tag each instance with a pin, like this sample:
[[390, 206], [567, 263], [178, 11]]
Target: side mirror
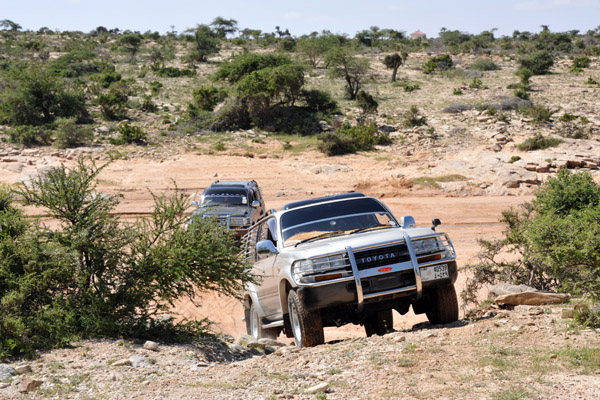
[[435, 222], [195, 203], [266, 246], [255, 204], [408, 222]]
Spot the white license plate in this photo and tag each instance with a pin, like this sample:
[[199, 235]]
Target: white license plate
[[434, 272]]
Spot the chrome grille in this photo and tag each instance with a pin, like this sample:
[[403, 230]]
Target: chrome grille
[[382, 256]]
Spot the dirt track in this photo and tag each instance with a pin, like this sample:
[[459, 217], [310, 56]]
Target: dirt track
[[312, 175]]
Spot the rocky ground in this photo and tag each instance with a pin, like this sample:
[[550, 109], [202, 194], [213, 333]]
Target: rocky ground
[[463, 167], [528, 353]]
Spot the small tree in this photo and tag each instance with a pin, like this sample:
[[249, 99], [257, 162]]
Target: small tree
[[393, 62], [224, 27], [131, 44], [207, 43], [353, 70], [538, 62]]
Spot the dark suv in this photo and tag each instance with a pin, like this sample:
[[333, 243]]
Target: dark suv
[[236, 204]]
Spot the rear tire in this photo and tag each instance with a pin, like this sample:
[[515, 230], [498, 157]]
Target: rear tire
[[307, 326], [443, 305], [379, 323], [254, 325]]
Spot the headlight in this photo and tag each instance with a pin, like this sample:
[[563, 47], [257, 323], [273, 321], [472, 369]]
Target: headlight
[[304, 271], [239, 221], [428, 246]]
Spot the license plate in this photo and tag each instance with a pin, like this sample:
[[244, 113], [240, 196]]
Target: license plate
[[435, 272]]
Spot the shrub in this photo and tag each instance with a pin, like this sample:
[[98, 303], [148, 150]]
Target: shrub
[[95, 276], [457, 91], [364, 137], [172, 72], [334, 144], [524, 75], [438, 63], [34, 96], [113, 104], [484, 64], [366, 102], [131, 133], [476, 83], [245, 64], [29, 135], [206, 98], [68, 134], [522, 94], [412, 117], [580, 62], [108, 78], [538, 62], [538, 142], [537, 113], [319, 101], [553, 241]]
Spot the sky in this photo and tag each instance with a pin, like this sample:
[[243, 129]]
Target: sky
[[305, 16]]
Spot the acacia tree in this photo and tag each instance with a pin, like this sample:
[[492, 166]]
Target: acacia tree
[[224, 27], [393, 62], [353, 70], [207, 43], [95, 275], [131, 44]]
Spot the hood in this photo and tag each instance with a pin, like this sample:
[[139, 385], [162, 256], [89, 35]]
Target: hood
[[339, 243], [240, 211]]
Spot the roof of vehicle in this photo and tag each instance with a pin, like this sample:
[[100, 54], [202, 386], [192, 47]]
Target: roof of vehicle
[[234, 184], [301, 203]]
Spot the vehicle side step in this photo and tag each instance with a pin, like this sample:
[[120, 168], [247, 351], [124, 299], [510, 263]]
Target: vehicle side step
[[275, 324]]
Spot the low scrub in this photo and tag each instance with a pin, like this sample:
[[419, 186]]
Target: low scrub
[[552, 240], [438, 63], [350, 139], [539, 142], [484, 64]]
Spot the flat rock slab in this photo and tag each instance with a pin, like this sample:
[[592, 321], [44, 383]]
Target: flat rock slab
[[531, 298]]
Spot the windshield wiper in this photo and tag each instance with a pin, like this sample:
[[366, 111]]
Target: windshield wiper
[[366, 228], [320, 236]]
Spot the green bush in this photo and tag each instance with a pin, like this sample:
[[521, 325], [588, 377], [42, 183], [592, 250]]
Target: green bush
[[114, 103], [29, 135], [364, 137], [131, 133], [521, 94], [206, 98], [173, 72], [334, 144], [68, 134], [35, 96], [412, 117], [366, 102], [538, 62], [78, 62], [538, 113], [107, 78], [438, 63], [538, 142], [319, 101], [580, 62], [553, 241], [96, 276], [484, 64], [245, 64]]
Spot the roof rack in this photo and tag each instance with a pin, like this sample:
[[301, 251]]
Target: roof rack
[[341, 196]]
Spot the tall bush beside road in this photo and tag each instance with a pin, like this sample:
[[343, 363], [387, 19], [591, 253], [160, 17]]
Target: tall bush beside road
[[96, 276]]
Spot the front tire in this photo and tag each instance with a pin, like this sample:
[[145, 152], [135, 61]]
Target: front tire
[[307, 326], [443, 305], [254, 325], [379, 323]]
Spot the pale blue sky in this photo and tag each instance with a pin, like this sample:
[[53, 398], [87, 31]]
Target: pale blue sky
[[300, 17]]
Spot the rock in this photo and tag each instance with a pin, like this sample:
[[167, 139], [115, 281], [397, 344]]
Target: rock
[[7, 372], [271, 342], [320, 388], [29, 385], [138, 361], [532, 298], [23, 369], [15, 167], [256, 345], [243, 339], [325, 127], [387, 128], [568, 313], [121, 363], [506, 288], [150, 345], [399, 339], [497, 148]]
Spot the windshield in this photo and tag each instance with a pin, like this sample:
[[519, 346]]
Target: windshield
[[334, 219], [223, 199]]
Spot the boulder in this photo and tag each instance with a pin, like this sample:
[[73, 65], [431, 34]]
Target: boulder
[[6, 372], [29, 385], [506, 288], [150, 345], [531, 298]]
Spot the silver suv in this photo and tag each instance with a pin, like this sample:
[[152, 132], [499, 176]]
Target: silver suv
[[345, 259]]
